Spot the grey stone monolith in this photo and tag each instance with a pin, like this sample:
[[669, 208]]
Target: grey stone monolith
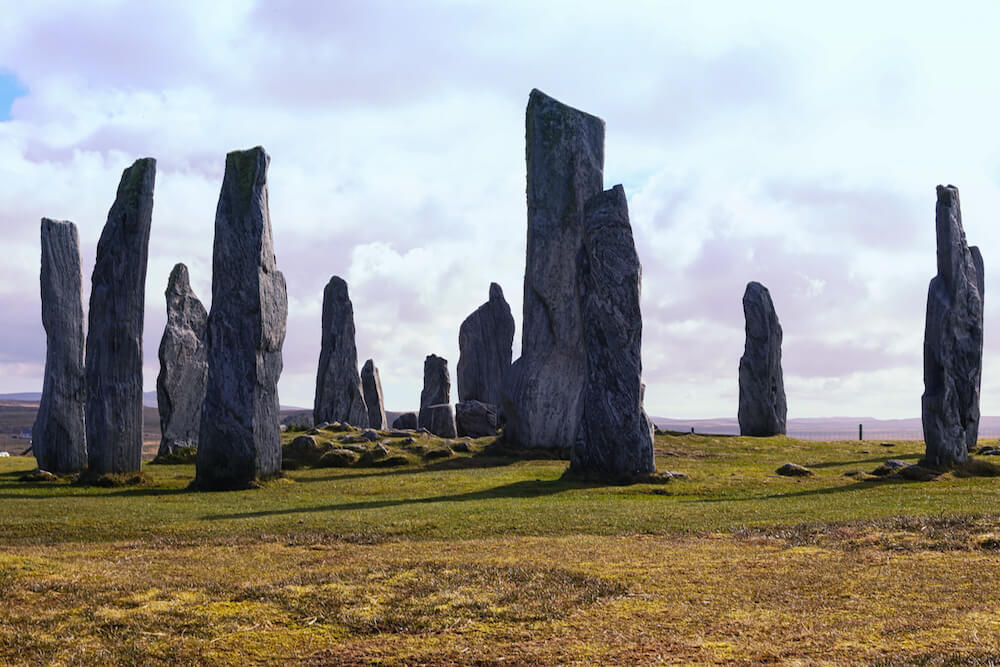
[[542, 392], [762, 408], [615, 440], [371, 386], [484, 343], [435, 396], [240, 438], [338, 386], [475, 419], [180, 386], [953, 340], [115, 324], [59, 436]]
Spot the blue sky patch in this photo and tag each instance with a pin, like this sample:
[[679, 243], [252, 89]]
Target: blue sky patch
[[11, 88]]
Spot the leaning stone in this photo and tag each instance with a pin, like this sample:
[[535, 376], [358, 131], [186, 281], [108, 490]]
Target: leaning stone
[[371, 387], [475, 419], [953, 340], [484, 342], [762, 407], [180, 386], [407, 420], [338, 384], [542, 390], [615, 439], [114, 335], [240, 441], [59, 435], [794, 470]]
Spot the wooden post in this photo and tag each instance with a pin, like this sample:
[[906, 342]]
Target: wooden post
[[860, 432]]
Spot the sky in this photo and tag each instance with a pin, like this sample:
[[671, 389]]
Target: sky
[[795, 144]]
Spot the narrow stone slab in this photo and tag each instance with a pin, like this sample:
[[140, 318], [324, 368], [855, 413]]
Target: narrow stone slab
[[240, 436], [762, 407], [114, 333], [953, 340], [338, 385], [436, 393], [542, 394], [484, 342], [615, 440], [180, 386], [371, 386], [59, 436]]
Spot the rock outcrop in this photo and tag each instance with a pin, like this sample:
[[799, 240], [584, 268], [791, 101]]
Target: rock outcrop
[[59, 436], [371, 386], [953, 340], [762, 408], [542, 394], [338, 385], [475, 419], [180, 386], [435, 406], [615, 440], [115, 324], [240, 437], [484, 342], [407, 420]]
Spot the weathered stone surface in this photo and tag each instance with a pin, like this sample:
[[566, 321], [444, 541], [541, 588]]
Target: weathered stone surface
[[439, 419], [114, 332], [240, 440], [338, 385], [435, 397], [301, 419], [59, 436], [953, 340], [484, 343], [542, 390], [475, 419], [794, 470], [407, 420], [615, 440], [762, 408], [371, 386], [180, 386]]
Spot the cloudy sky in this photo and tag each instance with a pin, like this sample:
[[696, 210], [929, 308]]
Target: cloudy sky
[[797, 144]]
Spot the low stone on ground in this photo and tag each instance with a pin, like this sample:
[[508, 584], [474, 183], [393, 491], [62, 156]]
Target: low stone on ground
[[794, 470]]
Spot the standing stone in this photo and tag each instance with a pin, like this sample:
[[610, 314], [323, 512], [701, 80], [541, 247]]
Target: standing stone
[[371, 385], [114, 334], [762, 407], [484, 342], [615, 440], [180, 386], [953, 340], [240, 437], [436, 413], [338, 386], [542, 394], [59, 436]]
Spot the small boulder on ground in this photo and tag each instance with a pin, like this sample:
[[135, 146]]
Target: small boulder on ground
[[407, 420], [475, 419], [889, 467], [338, 458], [794, 470]]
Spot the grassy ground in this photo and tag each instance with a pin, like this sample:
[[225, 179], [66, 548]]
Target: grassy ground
[[474, 558]]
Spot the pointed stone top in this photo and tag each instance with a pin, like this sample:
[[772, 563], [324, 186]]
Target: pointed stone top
[[758, 309], [179, 281], [370, 364], [496, 292], [953, 254], [336, 288]]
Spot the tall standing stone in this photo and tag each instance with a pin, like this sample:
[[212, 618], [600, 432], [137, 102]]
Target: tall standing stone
[[542, 394], [338, 386], [436, 414], [59, 436], [484, 342], [615, 440], [953, 340], [114, 334], [240, 437], [371, 386], [180, 386], [762, 408]]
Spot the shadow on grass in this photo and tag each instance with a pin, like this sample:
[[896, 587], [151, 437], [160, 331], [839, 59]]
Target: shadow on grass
[[74, 491], [463, 463], [825, 491], [875, 459], [524, 489]]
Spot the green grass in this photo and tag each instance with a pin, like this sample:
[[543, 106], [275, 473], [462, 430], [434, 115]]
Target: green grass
[[476, 557]]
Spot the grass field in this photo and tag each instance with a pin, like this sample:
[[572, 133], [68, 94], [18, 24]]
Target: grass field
[[476, 558]]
